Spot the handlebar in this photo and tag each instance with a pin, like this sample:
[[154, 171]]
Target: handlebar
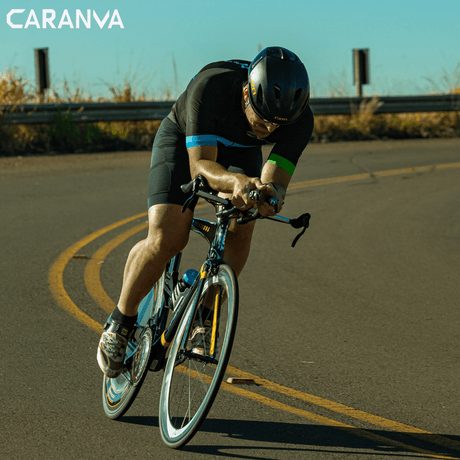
[[200, 188], [255, 195], [272, 201]]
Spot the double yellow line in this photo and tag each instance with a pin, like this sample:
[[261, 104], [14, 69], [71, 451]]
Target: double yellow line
[[56, 274], [95, 289]]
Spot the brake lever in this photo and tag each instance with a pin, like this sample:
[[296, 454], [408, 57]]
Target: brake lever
[[301, 221], [188, 201], [194, 186]]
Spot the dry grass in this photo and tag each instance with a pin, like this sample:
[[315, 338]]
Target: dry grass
[[366, 125], [65, 136]]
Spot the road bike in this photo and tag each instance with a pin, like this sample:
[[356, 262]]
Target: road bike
[[192, 346]]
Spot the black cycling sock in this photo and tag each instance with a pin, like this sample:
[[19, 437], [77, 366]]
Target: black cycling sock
[[121, 318]]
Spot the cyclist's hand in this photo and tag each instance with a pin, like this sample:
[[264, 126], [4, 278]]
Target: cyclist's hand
[[267, 191], [243, 186]]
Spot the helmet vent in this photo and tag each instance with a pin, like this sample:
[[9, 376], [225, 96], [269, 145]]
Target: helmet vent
[[277, 90], [260, 96], [297, 94]]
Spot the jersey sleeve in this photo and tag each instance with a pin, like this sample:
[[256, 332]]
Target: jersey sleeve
[[203, 107], [289, 147]]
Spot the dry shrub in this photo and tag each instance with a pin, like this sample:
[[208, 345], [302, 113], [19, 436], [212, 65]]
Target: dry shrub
[[365, 124], [64, 135], [13, 91]]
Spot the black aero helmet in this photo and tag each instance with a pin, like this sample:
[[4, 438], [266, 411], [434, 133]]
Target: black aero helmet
[[279, 88]]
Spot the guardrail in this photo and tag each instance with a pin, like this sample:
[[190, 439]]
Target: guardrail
[[141, 111]]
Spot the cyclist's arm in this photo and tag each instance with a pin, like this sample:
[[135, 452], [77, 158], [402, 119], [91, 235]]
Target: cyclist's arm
[[288, 148], [203, 161]]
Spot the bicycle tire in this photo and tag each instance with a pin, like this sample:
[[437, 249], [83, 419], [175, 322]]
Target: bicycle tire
[[119, 393], [185, 400]]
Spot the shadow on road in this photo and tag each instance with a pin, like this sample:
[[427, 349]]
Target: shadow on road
[[310, 438]]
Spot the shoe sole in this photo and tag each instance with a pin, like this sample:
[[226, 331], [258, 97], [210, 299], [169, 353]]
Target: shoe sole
[[111, 374]]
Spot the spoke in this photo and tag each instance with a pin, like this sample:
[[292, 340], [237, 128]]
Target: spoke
[[194, 378], [198, 385]]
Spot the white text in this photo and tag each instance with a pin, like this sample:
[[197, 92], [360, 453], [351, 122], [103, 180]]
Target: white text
[[48, 19]]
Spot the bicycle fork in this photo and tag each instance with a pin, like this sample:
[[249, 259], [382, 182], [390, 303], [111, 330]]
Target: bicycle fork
[[195, 292]]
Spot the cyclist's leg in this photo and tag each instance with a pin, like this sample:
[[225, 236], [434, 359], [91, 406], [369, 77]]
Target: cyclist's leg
[[168, 234], [238, 242]]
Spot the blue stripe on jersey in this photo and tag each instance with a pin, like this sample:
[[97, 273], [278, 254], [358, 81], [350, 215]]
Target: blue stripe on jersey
[[204, 139], [209, 139]]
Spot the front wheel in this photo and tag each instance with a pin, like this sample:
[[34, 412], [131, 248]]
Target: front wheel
[[198, 357]]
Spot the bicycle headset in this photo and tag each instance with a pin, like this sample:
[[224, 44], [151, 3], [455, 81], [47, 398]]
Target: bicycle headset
[[279, 88]]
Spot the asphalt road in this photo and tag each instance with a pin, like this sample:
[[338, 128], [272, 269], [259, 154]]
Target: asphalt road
[[352, 336]]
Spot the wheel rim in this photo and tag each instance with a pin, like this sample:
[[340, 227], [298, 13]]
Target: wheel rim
[[117, 389], [188, 387], [141, 357]]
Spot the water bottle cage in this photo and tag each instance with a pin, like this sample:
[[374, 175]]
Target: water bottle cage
[[177, 301], [181, 288]]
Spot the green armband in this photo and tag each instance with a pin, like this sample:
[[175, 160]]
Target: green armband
[[282, 163]]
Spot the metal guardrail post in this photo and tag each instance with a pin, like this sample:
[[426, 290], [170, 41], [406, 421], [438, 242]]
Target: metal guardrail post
[[360, 69], [42, 71]]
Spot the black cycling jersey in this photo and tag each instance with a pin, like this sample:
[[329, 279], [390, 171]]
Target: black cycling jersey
[[169, 167], [209, 112]]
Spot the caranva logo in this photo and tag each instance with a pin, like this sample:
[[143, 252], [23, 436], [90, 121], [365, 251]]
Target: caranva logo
[[17, 19]]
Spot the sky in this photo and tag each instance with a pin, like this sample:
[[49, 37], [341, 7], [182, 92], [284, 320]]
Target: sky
[[414, 45]]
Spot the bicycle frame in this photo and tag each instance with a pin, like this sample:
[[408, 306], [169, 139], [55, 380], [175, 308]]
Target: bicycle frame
[[216, 281], [215, 234]]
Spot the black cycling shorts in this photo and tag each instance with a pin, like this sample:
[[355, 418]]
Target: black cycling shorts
[[169, 166]]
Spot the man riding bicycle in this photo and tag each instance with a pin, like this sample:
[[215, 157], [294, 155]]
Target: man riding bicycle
[[216, 129]]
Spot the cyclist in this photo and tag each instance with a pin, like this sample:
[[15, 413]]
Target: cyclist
[[216, 128]]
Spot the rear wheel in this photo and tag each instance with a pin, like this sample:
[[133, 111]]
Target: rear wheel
[[119, 393], [198, 357]]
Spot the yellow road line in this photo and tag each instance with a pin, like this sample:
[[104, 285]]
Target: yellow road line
[[330, 180], [330, 405], [56, 274], [447, 166], [348, 411], [364, 176], [328, 422], [309, 415], [92, 281], [92, 275]]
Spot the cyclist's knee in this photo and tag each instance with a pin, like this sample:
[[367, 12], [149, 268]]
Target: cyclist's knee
[[169, 230], [166, 245]]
